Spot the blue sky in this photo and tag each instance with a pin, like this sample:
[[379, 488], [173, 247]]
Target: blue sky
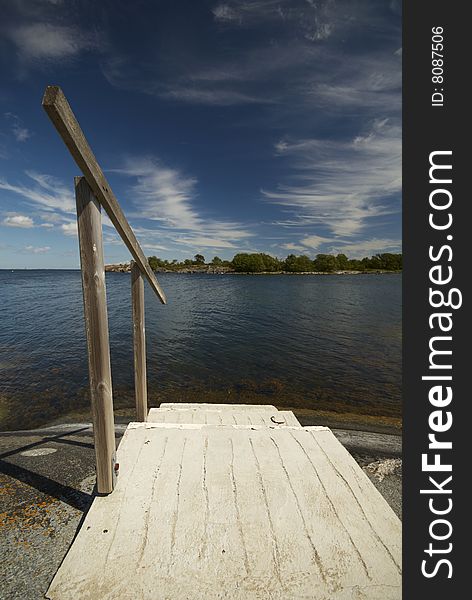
[[255, 126]]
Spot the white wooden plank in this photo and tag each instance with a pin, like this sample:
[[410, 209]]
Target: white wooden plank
[[288, 417], [266, 416], [364, 496], [243, 512], [147, 425], [205, 405], [330, 499]]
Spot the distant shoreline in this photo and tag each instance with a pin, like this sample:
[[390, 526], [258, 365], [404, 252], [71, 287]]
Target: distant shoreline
[[125, 268], [110, 269]]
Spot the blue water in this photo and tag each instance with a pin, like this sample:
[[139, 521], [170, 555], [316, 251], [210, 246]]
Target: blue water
[[316, 342]]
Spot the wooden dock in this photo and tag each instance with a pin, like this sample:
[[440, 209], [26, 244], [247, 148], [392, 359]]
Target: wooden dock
[[207, 501], [203, 510]]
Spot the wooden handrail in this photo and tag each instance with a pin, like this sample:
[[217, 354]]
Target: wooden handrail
[[92, 191], [59, 111]]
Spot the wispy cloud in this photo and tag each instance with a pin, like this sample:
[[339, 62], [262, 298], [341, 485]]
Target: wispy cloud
[[216, 83], [225, 13], [162, 193], [54, 200], [49, 42], [367, 247], [46, 192], [360, 84], [168, 196], [244, 73], [292, 58], [189, 91], [314, 241], [20, 132], [37, 249], [315, 19], [154, 247], [340, 185], [199, 241], [314, 244], [22, 221], [293, 247]]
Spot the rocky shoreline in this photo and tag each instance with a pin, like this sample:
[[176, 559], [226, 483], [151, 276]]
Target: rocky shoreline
[[218, 270]]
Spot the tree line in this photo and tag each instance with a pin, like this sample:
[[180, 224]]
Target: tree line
[[259, 262]]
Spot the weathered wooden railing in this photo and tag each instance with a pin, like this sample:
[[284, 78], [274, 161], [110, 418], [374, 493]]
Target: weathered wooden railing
[[92, 191]]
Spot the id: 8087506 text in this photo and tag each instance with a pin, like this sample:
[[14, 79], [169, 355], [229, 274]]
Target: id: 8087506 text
[[437, 66]]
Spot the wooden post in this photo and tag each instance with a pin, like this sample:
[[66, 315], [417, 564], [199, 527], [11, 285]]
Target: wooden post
[[139, 342], [96, 327]]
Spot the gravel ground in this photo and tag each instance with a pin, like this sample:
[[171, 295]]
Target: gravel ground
[[47, 485]]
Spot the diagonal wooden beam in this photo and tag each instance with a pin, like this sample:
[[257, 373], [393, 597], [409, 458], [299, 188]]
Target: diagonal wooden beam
[[56, 106]]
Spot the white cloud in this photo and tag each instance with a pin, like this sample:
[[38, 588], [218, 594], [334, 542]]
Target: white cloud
[[205, 242], [162, 193], [18, 221], [314, 241], [315, 20], [367, 247], [272, 67], [69, 228], [340, 185], [154, 247], [293, 247], [166, 195], [20, 132], [224, 13], [353, 249], [49, 192], [53, 218], [37, 250], [45, 41], [359, 84], [190, 92], [298, 57]]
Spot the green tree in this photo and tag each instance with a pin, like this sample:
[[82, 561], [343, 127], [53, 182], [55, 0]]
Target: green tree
[[157, 263], [248, 263], [342, 262], [355, 265], [255, 263], [369, 263], [298, 264], [261, 262], [271, 263], [389, 261], [153, 262], [325, 263]]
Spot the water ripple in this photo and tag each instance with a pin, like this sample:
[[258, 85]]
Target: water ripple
[[305, 340]]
